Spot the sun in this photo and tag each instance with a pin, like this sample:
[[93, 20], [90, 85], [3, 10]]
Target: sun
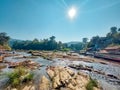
[[72, 12]]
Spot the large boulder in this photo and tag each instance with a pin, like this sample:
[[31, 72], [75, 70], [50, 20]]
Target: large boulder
[[44, 84], [65, 79]]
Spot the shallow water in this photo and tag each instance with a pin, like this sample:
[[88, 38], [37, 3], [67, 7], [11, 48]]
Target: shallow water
[[107, 83]]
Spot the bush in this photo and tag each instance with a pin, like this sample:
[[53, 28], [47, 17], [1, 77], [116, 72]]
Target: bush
[[7, 47], [19, 76], [65, 49], [92, 83], [28, 77]]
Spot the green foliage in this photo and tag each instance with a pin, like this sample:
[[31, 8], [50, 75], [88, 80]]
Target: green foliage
[[65, 49], [4, 38], [4, 41], [45, 44], [7, 47], [92, 83], [112, 37], [96, 43], [28, 77], [18, 76], [77, 47], [85, 40]]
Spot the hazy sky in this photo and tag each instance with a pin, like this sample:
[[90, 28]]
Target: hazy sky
[[29, 19]]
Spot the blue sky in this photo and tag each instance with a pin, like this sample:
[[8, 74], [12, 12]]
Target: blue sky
[[29, 19]]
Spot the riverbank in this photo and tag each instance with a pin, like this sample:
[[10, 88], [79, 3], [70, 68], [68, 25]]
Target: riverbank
[[49, 55], [102, 72]]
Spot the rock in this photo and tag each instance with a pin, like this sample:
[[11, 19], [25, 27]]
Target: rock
[[32, 88], [71, 86], [50, 73], [2, 66], [44, 84], [70, 72], [14, 89], [64, 75], [95, 88], [84, 75], [65, 79], [112, 76], [8, 88], [28, 63], [1, 58], [26, 88], [56, 82], [65, 88]]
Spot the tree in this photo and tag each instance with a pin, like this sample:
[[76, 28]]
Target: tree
[[113, 30], [60, 45], [85, 40], [52, 38], [112, 37], [35, 40], [4, 38], [95, 42], [119, 30]]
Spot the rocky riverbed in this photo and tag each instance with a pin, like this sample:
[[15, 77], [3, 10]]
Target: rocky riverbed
[[107, 74]]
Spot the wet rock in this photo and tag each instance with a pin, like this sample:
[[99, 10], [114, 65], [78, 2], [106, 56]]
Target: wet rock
[[88, 68], [103, 63], [81, 67], [44, 84], [112, 76], [35, 53], [2, 66], [28, 64], [25, 57], [99, 72]]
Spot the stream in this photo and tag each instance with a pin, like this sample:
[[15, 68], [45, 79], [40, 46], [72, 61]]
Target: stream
[[106, 82]]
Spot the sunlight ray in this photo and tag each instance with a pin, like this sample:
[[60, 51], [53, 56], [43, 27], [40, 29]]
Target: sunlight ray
[[102, 7]]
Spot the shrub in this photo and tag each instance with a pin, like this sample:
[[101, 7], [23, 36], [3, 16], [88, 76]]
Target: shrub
[[19, 76], [28, 77], [92, 83]]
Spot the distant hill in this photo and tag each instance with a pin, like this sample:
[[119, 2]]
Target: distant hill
[[72, 42], [11, 41]]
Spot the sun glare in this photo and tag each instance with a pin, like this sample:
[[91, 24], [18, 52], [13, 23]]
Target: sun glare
[[72, 13]]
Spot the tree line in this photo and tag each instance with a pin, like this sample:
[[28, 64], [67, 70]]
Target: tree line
[[95, 43], [45, 44]]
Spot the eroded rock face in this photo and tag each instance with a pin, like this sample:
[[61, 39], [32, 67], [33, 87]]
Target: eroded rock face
[[1, 58], [28, 64], [29, 88], [44, 84], [65, 79]]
